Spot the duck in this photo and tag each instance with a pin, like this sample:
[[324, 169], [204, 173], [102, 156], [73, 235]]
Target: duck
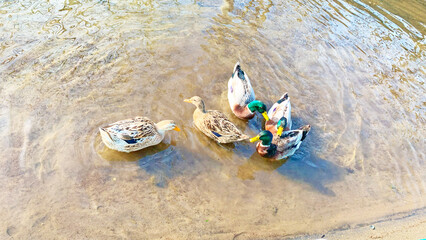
[[279, 116], [134, 134], [241, 96], [215, 124], [277, 147]]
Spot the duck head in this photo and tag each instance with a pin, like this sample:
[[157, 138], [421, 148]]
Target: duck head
[[197, 101], [264, 136], [167, 125], [281, 125], [258, 106]]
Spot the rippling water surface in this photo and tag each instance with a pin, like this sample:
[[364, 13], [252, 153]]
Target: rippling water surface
[[355, 71]]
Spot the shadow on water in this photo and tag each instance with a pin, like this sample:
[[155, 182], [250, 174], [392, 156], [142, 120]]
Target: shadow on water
[[174, 161], [304, 166], [164, 165], [163, 161], [313, 170]]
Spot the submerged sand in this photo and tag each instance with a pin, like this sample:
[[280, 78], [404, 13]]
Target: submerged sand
[[354, 71]]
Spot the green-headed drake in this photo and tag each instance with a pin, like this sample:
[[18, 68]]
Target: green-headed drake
[[241, 96], [278, 147], [279, 116]]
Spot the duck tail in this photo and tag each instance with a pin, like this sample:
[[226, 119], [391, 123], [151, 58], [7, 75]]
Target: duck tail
[[104, 134], [238, 71], [101, 129], [236, 68], [283, 98], [305, 130], [237, 65], [244, 137]]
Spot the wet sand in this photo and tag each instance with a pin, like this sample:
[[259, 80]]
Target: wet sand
[[410, 225]]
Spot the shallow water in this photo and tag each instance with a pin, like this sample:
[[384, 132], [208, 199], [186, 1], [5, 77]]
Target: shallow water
[[355, 71]]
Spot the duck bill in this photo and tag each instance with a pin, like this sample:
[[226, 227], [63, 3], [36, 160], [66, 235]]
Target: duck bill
[[176, 129], [265, 115], [254, 139], [187, 100], [280, 131]]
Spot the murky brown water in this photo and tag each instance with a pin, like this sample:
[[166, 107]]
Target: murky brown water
[[355, 71]]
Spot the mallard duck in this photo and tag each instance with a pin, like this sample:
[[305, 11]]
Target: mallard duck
[[280, 111], [135, 134], [241, 96], [214, 124], [278, 147]]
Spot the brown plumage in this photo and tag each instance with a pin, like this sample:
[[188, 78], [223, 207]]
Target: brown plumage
[[135, 134], [215, 124]]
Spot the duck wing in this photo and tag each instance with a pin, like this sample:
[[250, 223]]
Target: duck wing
[[290, 141], [136, 128], [220, 126]]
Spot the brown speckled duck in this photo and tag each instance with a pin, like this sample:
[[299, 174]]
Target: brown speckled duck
[[135, 134], [215, 124]]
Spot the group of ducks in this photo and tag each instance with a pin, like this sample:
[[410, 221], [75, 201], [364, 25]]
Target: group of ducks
[[276, 142]]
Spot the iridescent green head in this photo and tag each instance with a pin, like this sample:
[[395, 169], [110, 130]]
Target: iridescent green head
[[281, 125], [282, 122], [258, 106], [265, 136]]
